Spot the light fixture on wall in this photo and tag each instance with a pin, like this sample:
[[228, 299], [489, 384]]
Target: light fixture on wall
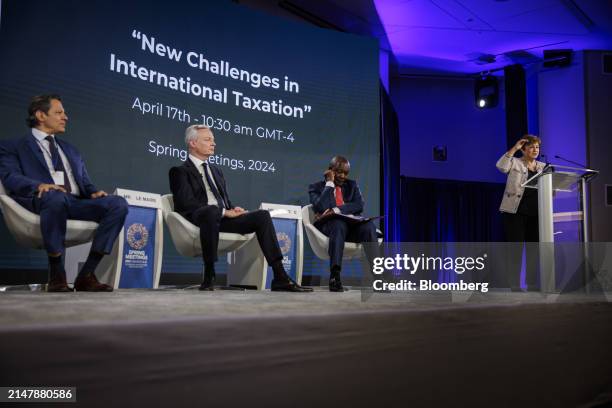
[[557, 58], [439, 153], [486, 92]]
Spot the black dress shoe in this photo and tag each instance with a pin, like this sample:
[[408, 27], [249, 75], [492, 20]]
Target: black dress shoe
[[288, 285], [58, 286], [89, 283], [335, 285], [208, 284]]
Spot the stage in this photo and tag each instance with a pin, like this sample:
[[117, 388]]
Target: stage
[[176, 347]]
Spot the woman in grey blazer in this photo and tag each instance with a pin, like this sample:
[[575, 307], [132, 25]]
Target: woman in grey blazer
[[519, 208]]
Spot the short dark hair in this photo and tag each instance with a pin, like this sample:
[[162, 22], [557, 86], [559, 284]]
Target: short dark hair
[[39, 103], [338, 160], [531, 139]]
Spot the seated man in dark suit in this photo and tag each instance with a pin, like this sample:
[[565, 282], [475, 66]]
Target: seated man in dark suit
[[47, 176], [337, 194], [200, 195]]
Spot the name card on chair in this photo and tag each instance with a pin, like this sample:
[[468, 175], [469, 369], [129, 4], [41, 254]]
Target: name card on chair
[[140, 198], [283, 210]]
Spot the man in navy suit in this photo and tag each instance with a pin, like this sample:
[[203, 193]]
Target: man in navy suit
[[47, 176], [200, 195], [340, 195]]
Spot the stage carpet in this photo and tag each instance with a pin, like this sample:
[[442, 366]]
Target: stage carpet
[[185, 348]]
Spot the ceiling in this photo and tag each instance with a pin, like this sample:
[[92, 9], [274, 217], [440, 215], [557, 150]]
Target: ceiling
[[469, 36]]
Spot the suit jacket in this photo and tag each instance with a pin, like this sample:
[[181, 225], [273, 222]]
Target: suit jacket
[[517, 175], [322, 197], [23, 168], [188, 188]]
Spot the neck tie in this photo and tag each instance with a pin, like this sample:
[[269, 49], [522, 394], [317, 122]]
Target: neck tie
[[339, 200], [56, 160], [212, 186]]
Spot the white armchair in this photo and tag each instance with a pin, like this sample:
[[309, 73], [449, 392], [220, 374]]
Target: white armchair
[[186, 236], [25, 225], [319, 242], [247, 265]]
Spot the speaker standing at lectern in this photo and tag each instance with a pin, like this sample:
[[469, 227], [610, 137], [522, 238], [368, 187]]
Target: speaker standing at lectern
[[519, 208], [47, 176]]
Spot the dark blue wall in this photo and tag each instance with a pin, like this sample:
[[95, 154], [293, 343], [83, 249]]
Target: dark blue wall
[[434, 111]]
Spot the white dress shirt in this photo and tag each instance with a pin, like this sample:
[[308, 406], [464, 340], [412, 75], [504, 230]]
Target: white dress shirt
[[333, 185], [46, 149], [209, 194]]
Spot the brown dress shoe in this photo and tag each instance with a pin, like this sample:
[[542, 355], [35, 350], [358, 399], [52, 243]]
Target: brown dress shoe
[[89, 283], [58, 286]]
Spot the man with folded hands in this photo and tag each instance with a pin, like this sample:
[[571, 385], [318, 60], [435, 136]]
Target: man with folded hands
[[200, 195], [47, 175]]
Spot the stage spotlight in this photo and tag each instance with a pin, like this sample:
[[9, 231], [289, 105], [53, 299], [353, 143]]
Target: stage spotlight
[[486, 92]]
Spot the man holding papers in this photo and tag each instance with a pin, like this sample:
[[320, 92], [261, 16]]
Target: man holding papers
[[332, 197]]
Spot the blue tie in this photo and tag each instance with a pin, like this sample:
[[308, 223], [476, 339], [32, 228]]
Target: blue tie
[[212, 186], [58, 165]]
